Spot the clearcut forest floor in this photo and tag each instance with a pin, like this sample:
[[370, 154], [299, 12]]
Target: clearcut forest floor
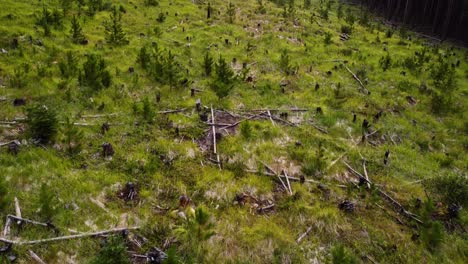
[[255, 217]]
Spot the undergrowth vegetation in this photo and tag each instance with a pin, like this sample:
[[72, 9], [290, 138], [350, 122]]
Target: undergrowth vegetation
[[335, 138]]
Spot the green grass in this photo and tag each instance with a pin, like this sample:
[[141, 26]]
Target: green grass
[[165, 166]]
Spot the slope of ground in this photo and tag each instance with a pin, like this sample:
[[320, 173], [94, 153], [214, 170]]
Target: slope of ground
[[277, 177]]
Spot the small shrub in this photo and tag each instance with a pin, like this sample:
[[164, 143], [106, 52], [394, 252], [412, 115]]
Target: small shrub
[[152, 2], [389, 33], [5, 198], [350, 18], [385, 62], [113, 252], [346, 29], [225, 78], [432, 232], [72, 137], [47, 199], [19, 79], [340, 255], [327, 38], [451, 188], [143, 57], [207, 63], [195, 232], [69, 65], [148, 112], [161, 17], [285, 63], [231, 12], [76, 31], [246, 130]]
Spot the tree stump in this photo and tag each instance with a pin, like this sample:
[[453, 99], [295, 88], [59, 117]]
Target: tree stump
[[107, 150]]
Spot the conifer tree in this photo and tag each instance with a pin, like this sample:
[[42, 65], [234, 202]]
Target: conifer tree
[[223, 84], [94, 73], [114, 30], [68, 66], [207, 63], [42, 123], [76, 31], [170, 69], [72, 137], [224, 72], [143, 57], [231, 12]]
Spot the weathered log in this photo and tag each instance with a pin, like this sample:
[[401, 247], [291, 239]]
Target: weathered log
[[55, 239]]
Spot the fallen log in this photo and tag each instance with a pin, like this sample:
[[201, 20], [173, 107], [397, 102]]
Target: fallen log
[[171, 111], [54, 239], [100, 115]]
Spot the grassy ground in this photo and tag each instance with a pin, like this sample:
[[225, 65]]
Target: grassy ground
[[85, 187]]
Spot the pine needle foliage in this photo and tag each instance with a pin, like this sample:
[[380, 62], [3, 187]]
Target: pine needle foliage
[[115, 34]]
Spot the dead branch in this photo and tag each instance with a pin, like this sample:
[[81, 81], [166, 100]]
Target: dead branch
[[287, 180], [303, 235], [171, 111], [6, 230], [100, 115], [365, 172], [282, 110], [54, 239], [18, 210], [271, 119], [240, 121], [214, 137], [36, 257], [323, 130], [358, 80], [385, 195]]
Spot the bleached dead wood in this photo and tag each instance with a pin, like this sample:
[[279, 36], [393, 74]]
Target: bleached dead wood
[[282, 110], [213, 127], [303, 235], [365, 172], [18, 210], [6, 229], [271, 119], [9, 142], [394, 202], [54, 239], [245, 119], [287, 180], [36, 257], [358, 80], [100, 115]]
